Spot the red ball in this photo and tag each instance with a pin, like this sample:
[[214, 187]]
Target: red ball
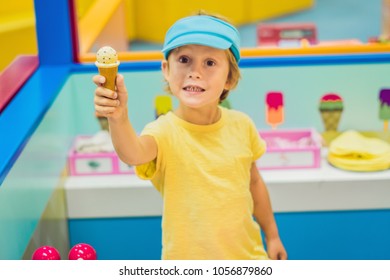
[[46, 253], [82, 251]]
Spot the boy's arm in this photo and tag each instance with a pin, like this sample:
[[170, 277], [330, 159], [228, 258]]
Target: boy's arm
[[264, 215], [131, 148]]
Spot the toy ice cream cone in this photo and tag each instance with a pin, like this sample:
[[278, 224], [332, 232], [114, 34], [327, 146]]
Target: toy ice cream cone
[[162, 105], [384, 107], [331, 108], [107, 63]]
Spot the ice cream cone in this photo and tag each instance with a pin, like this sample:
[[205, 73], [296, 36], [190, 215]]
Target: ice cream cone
[[110, 74], [331, 119], [384, 107], [107, 63], [331, 108]]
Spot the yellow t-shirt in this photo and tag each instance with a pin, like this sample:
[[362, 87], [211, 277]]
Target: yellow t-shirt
[[203, 174]]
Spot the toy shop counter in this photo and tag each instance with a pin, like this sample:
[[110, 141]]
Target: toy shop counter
[[322, 212], [292, 190]]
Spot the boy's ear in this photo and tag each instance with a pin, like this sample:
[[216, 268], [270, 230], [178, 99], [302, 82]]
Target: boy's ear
[[228, 84], [165, 68]]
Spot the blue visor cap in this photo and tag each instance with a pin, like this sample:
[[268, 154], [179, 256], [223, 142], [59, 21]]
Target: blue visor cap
[[202, 30]]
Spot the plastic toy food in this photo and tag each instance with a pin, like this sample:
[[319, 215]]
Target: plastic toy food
[[275, 111], [163, 104], [46, 253], [331, 108], [107, 63], [82, 251], [384, 107]]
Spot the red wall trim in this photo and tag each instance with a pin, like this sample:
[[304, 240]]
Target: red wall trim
[[15, 76]]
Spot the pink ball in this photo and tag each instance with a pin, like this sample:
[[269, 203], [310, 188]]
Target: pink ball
[[46, 253], [82, 251]]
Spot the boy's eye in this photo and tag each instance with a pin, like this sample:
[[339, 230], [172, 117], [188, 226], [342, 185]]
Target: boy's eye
[[183, 59], [210, 63]]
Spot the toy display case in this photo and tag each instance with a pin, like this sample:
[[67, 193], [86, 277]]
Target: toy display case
[[286, 34], [291, 149], [101, 163]]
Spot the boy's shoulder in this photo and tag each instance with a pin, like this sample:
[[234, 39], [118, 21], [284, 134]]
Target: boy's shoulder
[[160, 123]]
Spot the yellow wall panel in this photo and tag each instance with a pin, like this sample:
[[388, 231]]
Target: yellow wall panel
[[16, 6], [266, 9], [154, 17], [130, 19], [22, 42]]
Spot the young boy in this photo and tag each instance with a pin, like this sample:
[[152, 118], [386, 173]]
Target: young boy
[[200, 157]]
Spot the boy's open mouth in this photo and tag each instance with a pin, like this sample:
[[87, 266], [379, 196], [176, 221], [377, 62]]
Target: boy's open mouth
[[193, 89]]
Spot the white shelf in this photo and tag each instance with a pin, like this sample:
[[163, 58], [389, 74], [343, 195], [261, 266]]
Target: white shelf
[[323, 189]]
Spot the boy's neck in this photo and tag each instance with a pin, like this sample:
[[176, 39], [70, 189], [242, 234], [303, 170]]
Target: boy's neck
[[199, 116]]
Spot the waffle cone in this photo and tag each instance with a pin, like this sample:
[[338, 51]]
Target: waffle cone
[[110, 74], [331, 119]]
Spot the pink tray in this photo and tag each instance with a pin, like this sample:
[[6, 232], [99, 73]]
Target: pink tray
[[96, 163], [302, 149]]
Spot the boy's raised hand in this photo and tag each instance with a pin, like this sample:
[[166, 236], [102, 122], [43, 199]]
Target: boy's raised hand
[[108, 103]]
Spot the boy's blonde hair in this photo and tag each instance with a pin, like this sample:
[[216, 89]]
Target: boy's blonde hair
[[234, 74]]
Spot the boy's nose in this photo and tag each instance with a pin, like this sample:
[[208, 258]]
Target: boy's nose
[[194, 72], [194, 75]]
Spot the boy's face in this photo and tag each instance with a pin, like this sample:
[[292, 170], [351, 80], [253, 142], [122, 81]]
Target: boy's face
[[197, 74]]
